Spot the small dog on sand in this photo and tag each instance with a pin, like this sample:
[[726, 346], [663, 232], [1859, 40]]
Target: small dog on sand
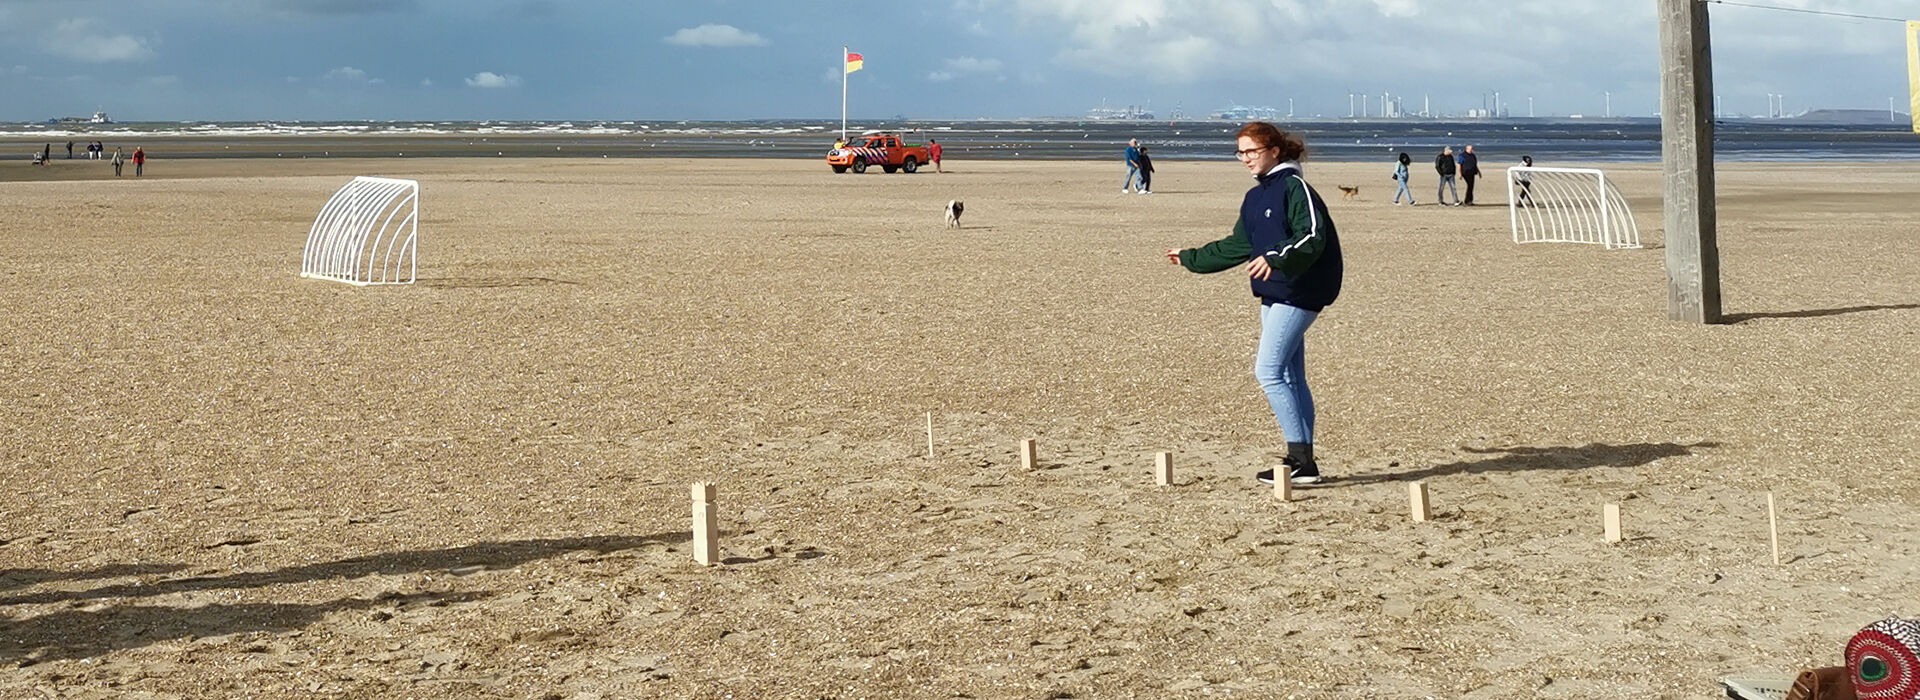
[[1348, 192], [954, 207]]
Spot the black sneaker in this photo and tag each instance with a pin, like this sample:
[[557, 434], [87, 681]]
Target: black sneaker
[[1296, 473], [1308, 473]]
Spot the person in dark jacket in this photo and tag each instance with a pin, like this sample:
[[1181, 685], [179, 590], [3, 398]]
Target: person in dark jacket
[[1292, 254], [1443, 164], [1146, 171], [1469, 171]]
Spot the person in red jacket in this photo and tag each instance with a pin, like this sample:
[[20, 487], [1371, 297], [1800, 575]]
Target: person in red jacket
[[139, 161], [933, 154]]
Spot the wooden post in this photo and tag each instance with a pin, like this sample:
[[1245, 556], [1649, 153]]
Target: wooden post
[[1028, 459], [929, 434], [1282, 484], [1163, 469], [1417, 492], [1610, 517], [1773, 528], [1686, 150], [706, 532]]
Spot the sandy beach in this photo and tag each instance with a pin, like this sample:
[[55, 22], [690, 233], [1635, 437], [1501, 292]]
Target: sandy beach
[[229, 481]]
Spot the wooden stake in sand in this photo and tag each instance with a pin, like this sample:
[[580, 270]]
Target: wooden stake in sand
[[1163, 469], [1282, 484], [1610, 519], [1417, 492], [929, 434], [1773, 528], [706, 531], [1027, 454]]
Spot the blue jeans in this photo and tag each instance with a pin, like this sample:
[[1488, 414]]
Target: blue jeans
[[1446, 185], [1133, 178], [1403, 190], [1280, 363]]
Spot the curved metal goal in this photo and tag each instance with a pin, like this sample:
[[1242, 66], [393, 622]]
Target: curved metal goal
[[366, 233], [1568, 205]]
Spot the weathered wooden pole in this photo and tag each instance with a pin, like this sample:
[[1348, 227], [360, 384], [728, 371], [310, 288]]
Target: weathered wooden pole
[[1686, 150]]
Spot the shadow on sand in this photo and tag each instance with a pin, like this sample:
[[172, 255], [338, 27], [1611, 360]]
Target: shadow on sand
[[1516, 459], [478, 557], [488, 282], [80, 632], [1816, 313], [21, 578]]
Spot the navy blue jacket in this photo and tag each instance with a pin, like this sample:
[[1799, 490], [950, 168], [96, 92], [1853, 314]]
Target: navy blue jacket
[[1285, 221]]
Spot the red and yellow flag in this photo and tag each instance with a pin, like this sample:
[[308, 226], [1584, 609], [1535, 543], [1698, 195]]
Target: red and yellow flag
[[853, 61]]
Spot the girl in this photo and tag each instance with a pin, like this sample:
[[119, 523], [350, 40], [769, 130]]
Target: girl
[[1293, 260]]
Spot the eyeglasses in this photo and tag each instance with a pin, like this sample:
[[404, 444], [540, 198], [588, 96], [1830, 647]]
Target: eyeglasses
[[1246, 153]]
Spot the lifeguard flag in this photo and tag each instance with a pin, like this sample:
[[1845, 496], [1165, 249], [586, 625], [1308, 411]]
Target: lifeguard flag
[[853, 61]]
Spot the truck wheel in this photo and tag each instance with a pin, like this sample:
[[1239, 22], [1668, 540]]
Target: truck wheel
[[839, 168], [859, 165], [910, 165]]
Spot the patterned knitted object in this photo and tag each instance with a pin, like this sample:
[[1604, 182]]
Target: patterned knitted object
[[1884, 660]]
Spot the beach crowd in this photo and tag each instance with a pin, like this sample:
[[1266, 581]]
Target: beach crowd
[[97, 150]]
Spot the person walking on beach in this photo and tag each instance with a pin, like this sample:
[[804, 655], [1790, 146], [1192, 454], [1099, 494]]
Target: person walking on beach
[[1133, 166], [1400, 175], [1293, 261], [1469, 170], [1146, 171], [139, 162], [46, 154], [933, 154], [118, 161], [1525, 180], [69, 149], [1444, 165]]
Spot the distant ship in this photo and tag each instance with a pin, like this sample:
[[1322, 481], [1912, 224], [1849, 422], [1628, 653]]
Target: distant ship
[[1130, 112], [97, 118]]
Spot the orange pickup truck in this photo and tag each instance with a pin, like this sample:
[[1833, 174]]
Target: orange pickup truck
[[878, 148]]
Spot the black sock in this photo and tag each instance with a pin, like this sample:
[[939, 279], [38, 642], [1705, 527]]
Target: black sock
[[1300, 452]]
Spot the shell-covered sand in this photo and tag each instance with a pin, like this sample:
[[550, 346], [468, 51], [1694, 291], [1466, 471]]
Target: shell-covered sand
[[224, 480]]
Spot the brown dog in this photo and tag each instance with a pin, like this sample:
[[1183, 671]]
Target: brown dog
[[1348, 192]]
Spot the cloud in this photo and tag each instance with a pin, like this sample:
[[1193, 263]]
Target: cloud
[[1310, 45], [350, 74], [717, 36], [340, 7], [83, 40], [426, 82], [963, 66], [487, 79]]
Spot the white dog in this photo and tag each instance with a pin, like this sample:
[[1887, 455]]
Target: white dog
[[954, 207]]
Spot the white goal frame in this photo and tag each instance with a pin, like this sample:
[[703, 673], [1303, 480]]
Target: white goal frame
[[366, 233], [1568, 205]]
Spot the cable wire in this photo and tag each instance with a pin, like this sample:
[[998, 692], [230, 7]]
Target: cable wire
[[1810, 12]]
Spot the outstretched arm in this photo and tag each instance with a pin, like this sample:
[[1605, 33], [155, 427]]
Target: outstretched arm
[[1216, 256]]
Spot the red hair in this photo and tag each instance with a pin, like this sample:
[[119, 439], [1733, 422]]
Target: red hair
[[1265, 134]]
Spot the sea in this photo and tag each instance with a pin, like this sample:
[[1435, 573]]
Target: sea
[[1547, 140]]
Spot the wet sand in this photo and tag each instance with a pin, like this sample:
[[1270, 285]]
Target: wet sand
[[228, 481]]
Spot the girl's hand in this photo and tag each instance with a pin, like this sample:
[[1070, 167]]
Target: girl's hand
[[1258, 268], [1173, 256]]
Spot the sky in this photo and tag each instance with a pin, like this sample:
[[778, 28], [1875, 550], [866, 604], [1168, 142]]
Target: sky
[[178, 60]]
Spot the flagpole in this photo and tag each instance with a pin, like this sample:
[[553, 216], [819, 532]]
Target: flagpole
[[843, 92]]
